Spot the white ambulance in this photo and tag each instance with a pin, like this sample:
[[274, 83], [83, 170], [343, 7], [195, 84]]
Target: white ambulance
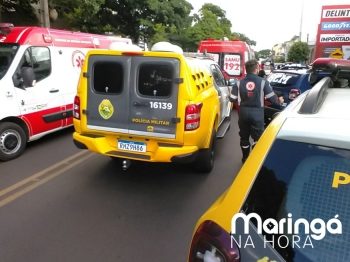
[[30, 110]]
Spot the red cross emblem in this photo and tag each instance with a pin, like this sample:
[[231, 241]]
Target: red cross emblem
[[250, 86], [79, 61]]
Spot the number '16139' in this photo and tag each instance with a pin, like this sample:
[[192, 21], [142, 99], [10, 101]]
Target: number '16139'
[[160, 105]]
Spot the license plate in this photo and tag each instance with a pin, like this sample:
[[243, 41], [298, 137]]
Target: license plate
[[132, 146]]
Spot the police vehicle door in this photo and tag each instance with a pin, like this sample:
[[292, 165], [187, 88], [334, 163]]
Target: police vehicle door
[[153, 96], [222, 89], [108, 93]]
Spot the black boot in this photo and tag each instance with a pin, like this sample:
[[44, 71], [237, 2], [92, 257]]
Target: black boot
[[245, 152]]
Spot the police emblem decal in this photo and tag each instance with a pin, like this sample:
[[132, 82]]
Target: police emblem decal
[[106, 109], [250, 86]]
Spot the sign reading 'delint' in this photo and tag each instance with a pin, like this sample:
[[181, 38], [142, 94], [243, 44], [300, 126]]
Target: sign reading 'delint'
[[336, 13]]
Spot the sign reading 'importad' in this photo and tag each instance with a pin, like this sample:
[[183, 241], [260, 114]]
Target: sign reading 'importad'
[[329, 38], [336, 13]]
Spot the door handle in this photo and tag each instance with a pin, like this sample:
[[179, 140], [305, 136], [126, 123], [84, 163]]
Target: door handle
[[141, 104], [54, 90]]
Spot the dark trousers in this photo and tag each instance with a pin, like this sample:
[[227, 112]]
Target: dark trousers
[[251, 124]]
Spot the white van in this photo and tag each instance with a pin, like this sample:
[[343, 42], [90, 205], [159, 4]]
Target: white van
[[54, 57]]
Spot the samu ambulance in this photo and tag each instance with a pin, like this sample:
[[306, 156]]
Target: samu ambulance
[[45, 105], [230, 55]]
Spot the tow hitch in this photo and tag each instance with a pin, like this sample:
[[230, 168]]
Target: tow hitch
[[125, 164]]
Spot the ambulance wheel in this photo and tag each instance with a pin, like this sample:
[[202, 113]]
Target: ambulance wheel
[[12, 141], [206, 157]]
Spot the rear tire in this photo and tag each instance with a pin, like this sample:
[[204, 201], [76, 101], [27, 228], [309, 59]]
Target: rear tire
[[12, 141], [205, 160]]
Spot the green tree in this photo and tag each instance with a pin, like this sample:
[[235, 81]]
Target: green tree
[[137, 18], [299, 52], [257, 56], [244, 38], [163, 33], [265, 54], [279, 59], [206, 26], [83, 15], [22, 7], [211, 22], [220, 14]]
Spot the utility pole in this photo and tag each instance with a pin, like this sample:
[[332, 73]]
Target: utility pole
[[44, 13], [301, 20]]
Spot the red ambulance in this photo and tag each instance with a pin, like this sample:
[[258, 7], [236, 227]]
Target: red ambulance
[[54, 57], [230, 55]]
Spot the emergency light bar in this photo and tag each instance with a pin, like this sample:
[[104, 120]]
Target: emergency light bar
[[331, 64], [199, 55], [5, 28], [166, 47]]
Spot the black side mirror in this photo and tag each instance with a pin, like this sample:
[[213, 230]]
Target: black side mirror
[[28, 76]]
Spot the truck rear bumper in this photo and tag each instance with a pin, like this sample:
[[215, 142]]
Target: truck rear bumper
[[156, 151]]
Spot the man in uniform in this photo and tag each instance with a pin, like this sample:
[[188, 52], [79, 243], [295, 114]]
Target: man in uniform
[[250, 92]]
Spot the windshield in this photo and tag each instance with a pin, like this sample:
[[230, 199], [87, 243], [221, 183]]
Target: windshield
[[308, 182], [7, 53]]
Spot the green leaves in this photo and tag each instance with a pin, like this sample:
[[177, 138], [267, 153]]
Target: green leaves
[[22, 7], [264, 54], [148, 21], [299, 52]]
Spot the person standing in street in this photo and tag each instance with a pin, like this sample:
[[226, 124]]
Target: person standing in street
[[250, 92], [262, 74]]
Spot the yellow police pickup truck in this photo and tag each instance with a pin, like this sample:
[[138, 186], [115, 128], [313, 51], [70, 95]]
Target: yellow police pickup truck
[[155, 106]]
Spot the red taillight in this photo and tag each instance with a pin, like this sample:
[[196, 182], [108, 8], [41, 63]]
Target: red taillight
[[213, 243], [293, 93], [132, 53], [193, 116], [76, 108]]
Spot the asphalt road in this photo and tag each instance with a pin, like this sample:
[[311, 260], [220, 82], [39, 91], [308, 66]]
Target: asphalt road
[[58, 203]]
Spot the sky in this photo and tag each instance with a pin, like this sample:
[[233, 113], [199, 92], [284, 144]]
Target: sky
[[270, 22]]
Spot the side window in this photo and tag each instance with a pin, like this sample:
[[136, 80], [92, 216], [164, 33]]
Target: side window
[[108, 77], [218, 77], [39, 59], [155, 80], [221, 75]]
